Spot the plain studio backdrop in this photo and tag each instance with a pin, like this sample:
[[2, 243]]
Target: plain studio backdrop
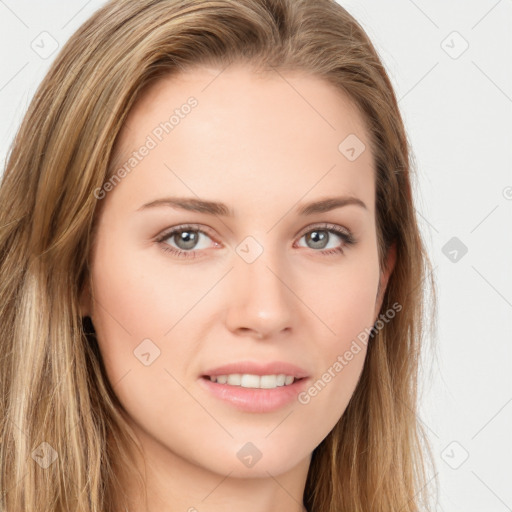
[[451, 66]]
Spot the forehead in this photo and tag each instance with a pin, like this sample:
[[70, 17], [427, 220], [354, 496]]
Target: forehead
[[228, 95], [251, 134]]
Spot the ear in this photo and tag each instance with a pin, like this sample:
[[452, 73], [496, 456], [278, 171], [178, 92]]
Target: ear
[[384, 277]]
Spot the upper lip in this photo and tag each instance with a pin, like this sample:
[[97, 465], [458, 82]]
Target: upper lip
[[255, 368]]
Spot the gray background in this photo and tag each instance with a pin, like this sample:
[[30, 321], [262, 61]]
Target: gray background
[[457, 106]]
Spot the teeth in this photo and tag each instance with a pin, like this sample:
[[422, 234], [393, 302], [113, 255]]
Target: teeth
[[247, 380], [281, 380], [234, 380]]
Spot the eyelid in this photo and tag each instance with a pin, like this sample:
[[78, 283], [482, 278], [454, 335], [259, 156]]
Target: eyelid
[[326, 226], [182, 227]]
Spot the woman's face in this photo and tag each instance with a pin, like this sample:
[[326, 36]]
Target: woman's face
[[268, 272]]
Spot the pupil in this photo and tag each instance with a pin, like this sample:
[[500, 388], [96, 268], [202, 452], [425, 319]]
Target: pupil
[[186, 239], [319, 239]]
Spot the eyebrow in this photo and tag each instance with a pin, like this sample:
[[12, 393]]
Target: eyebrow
[[221, 209]]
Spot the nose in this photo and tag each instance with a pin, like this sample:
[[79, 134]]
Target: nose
[[260, 302]]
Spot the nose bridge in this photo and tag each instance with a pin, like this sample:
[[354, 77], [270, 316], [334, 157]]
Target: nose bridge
[[261, 301]]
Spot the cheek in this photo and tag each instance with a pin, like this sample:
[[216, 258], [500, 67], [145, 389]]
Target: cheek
[[135, 307], [344, 300], [127, 309], [345, 307], [352, 309], [145, 316], [137, 295]]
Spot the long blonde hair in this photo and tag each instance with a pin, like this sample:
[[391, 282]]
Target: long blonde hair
[[54, 388]]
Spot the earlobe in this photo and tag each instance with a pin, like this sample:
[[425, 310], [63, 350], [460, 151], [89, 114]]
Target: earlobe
[[384, 277]]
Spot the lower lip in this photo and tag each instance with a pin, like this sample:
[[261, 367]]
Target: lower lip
[[255, 400]]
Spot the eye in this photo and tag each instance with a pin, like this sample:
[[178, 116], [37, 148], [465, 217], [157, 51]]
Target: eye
[[187, 239], [321, 236]]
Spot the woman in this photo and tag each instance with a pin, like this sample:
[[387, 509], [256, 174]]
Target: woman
[[211, 269]]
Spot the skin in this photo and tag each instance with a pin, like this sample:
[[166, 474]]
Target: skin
[[264, 148]]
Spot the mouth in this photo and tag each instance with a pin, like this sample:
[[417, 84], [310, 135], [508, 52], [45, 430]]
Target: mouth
[[247, 380], [255, 386], [254, 393]]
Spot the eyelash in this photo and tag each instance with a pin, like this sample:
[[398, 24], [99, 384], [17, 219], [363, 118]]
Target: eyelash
[[345, 235]]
